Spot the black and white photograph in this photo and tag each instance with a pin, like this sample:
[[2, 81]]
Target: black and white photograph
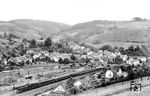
[[74, 47]]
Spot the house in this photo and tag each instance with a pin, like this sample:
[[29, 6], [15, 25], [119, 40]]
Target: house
[[26, 44], [117, 53], [79, 51], [142, 58], [1, 56], [56, 59], [42, 57], [59, 89], [28, 57], [22, 58], [89, 53], [14, 60], [105, 52], [84, 56], [45, 94], [136, 60], [125, 74], [109, 74], [109, 54], [133, 62], [101, 60], [124, 57], [37, 55], [46, 54], [74, 46], [148, 58], [78, 84], [55, 56], [40, 42], [105, 60], [80, 69], [119, 72], [4, 61], [30, 52]]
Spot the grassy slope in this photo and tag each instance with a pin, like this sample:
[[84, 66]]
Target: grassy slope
[[26, 28], [108, 31]]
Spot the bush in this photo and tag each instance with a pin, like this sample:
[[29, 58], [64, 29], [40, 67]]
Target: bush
[[70, 83], [108, 48], [138, 19], [60, 61], [118, 60], [48, 42], [72, 57], [32, 43], [73, 90], [134, 51], [66, 61]]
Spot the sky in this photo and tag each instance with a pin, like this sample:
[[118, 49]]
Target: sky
[[74, 11]]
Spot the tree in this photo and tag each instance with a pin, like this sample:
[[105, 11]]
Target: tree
[[59, 45], [5, 35], [12, 35], [107, 47], [66, 60], [137, 19], [103, 81], [24, 40], [22, 50], [137, 51], [60, 61], [33, 43], [10, 80], [131, 48], [122, 50], [84, 60], [131, 72], [70, 82], [137, 48], [73, 57], [48, 42], [1, 67], [73, 90], [116, 48], [118, 60], [10, 40]]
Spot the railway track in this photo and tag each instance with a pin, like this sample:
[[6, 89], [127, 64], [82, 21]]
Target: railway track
[[32, 86]]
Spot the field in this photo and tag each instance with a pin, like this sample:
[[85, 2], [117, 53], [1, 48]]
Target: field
[[27, 71], [120, 90], [144, 92]]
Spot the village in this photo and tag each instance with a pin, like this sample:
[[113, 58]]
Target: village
[[35, 61]]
